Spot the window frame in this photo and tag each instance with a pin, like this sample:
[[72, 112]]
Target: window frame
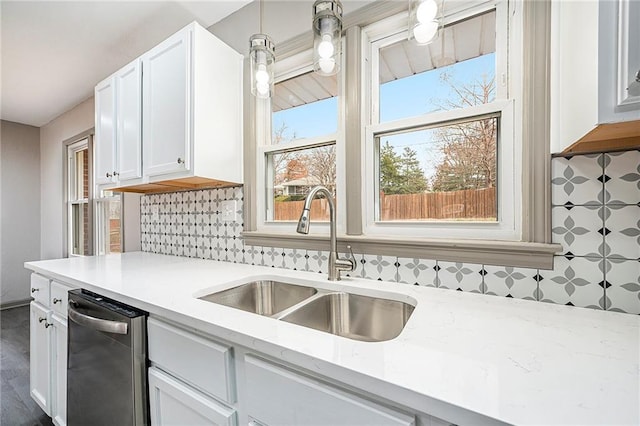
[[292, 67], [529, 26], [71, 198], [507, 227]]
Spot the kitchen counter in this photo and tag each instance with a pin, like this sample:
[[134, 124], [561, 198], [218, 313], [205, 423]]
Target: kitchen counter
[[462, 357]]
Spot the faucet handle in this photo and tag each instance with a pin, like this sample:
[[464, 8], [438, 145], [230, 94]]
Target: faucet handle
[[353, 260]]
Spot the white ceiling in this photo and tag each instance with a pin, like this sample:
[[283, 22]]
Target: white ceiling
[[53, 53]]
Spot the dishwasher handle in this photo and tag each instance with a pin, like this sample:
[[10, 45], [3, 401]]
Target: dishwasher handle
[[115, 327]]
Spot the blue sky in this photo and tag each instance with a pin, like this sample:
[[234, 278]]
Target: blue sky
[[407, 97]]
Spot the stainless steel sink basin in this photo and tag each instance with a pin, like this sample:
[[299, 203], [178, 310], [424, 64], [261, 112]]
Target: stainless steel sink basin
[[358, 317], [262, 297], [349, 315]]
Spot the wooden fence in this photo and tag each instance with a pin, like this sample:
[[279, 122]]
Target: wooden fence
[[478, 204]]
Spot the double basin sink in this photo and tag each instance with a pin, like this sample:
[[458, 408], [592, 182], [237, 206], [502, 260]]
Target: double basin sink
[[358, 317]]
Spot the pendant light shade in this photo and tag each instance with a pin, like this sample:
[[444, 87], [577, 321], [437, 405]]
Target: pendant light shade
[[423, 21], [327, 34], [262, 51]]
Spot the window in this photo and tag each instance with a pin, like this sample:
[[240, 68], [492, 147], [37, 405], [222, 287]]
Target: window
[[94, 225], [78, 189], [108, 223], [301, 150], [440, 150], [439, 144]]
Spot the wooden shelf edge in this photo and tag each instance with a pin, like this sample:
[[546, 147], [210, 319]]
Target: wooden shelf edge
[[608, 137], [175, 185]]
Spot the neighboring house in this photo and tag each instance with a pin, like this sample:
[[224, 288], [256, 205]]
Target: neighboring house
[[299, 186]]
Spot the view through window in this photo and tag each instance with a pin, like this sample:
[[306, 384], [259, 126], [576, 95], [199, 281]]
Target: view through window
[[445, 167], [303, 154]]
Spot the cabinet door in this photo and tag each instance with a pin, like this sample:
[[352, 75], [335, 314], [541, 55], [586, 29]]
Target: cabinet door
[[105, 140], [59, 370], [166, 98], [40, 289], [129, 119], [40, 347], [174, 403], [278, 396]]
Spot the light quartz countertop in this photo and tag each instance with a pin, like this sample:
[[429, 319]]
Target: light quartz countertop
[[462, 357]]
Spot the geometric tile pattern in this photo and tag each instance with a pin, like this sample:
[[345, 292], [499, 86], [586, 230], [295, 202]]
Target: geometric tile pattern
[[595, 217]]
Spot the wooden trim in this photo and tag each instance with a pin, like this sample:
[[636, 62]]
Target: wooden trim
[[608, 137], [173, 185], [485, 252]]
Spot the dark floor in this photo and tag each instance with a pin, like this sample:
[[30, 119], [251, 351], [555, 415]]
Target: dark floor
[[17, 407]]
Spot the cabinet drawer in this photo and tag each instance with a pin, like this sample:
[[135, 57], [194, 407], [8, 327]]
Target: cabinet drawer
[[173, 403], [40, 289], [200, 362], [278, 396], [59, 298]]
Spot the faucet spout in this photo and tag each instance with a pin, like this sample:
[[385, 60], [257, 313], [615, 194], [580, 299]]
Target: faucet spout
[[335, 264]]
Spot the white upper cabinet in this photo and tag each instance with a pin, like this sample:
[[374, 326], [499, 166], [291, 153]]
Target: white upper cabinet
[[105, 138], [166, 97], [178, 116], [192, 108], [129, 116]]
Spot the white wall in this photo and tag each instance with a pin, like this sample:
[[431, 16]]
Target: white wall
[[52, 136], [574, 71], [20, 208]]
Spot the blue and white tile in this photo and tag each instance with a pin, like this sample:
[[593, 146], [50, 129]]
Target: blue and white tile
[[623, 287], [377, 267], [519, 283], [575, 179], [417, 271], [623, 172], [317, 261], [461, 276], [578, 229], [294, 259], [623, 232], [576, 281]]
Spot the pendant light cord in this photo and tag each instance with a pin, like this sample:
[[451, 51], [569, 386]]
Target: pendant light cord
[[261, 15]]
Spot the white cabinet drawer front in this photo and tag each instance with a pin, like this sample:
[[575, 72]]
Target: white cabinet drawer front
[[201, 362], [277, 396], [59, 298], [40, 289], [173, 403]]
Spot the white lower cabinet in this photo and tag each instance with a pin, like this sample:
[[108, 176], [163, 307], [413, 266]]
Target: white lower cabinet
[[40, 353], [48, 347], [279, 396], [172, 402], [59, 371]]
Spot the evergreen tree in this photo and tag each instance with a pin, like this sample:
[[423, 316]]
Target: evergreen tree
[[400, 174]]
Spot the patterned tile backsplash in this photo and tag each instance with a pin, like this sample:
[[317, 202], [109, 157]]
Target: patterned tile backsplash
[[595, 216]]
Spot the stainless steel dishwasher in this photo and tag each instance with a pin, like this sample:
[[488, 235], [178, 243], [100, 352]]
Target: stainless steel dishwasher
[[107, 362]]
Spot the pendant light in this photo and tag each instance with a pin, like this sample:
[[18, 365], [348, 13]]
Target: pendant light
[[327, 35], [423, 21], [262, 53]]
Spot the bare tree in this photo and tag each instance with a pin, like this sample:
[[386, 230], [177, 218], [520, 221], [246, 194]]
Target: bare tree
[[322, 165], [468, 149]]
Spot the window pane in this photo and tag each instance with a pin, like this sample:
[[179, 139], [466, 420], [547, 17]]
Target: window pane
[[80, 229], [442, 173], [305, 106], [81, 175], [109, 226], [456, 70], [292, 174]]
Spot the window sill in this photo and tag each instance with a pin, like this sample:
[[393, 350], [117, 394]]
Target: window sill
[[486, 252]]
